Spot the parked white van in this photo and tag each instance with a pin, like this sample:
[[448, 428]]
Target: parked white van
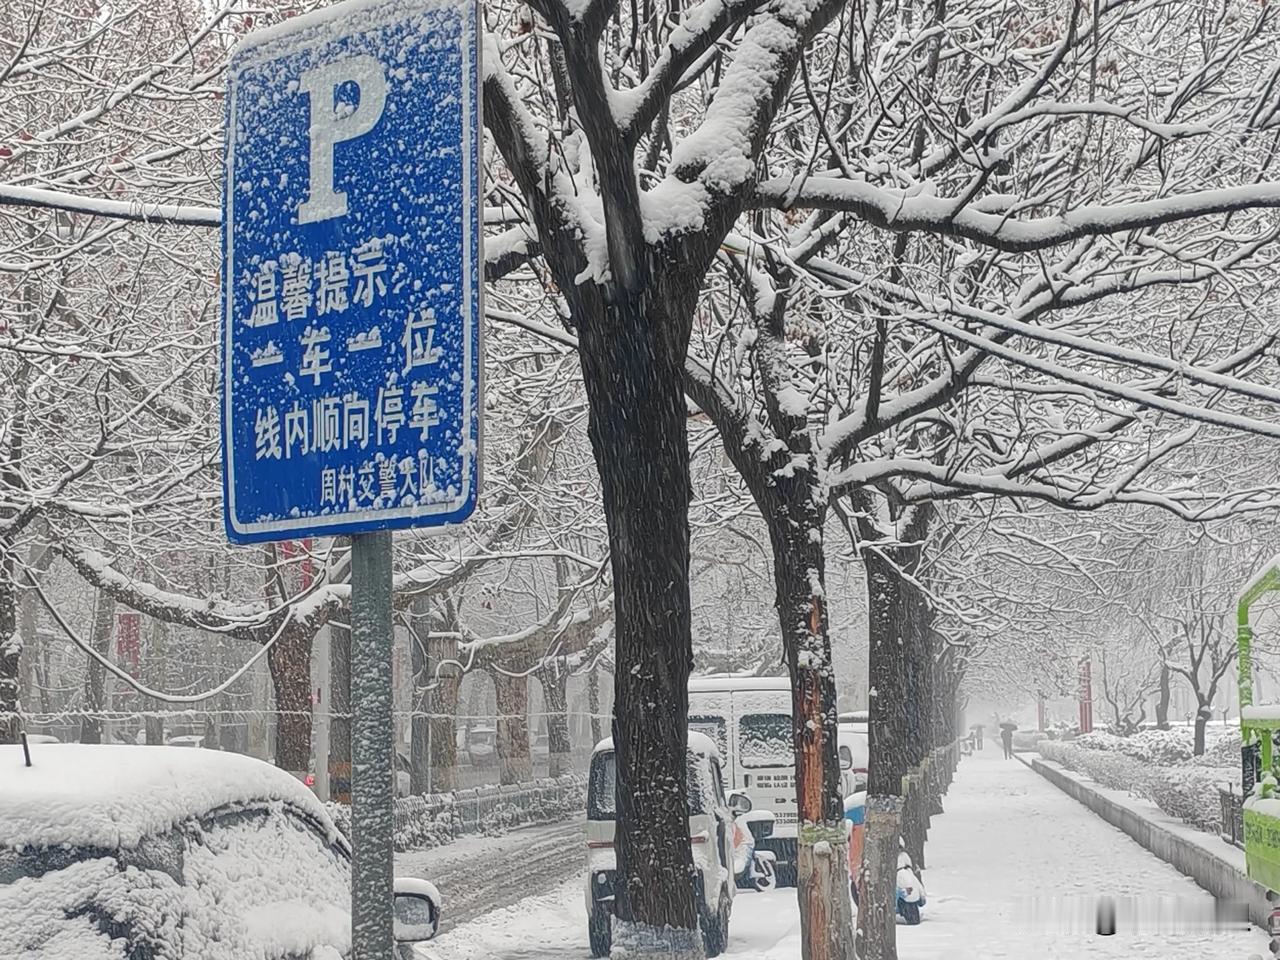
[[749, 720], [711, 816]]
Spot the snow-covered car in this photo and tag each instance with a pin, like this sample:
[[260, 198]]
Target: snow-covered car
[[710, 834], [157, 853]]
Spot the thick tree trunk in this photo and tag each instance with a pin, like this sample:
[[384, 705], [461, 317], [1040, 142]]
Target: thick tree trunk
[[876, 924], [1203, 715], [10, 649], [593, 705], [420, 699], [632, 352], [514, 762], [92, 724], [553, 678], [290, 663], [442, 653], [1162, 704], [34, 683], [823, 855], [156, 670], [340, 704], [444, 735]]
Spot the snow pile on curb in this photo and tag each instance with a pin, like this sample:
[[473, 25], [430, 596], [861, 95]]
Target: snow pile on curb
[[432, 820], [1187, 791]]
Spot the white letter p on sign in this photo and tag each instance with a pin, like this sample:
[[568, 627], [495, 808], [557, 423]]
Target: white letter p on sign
[[330, 126]]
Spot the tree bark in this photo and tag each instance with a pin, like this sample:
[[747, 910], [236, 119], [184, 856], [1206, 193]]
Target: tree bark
[[442, 654], [823, 856], [1203, 714], [290, 664], [10, 648], [95, 678], [633, 352], [514, 763], [420, 698], [340, 700], [553, 679], [34, 682], [156, 672], [1162, 704], [888, 762], [593, 705]]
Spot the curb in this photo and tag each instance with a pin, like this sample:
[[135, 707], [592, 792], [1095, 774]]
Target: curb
[[1213, 873]]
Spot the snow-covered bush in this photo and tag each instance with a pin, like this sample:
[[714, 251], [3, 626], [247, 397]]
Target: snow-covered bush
[[1027, 739], [1162, 747], [1188, 792], [1099, 740], [1223, 750]]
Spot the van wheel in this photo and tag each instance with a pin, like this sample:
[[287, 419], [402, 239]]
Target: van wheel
[[715, 927], [600, 932], [786, 874]]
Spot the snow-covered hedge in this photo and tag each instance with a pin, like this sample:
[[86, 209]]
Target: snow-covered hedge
[[1187, 791], [1162, 747], [436, 819], [1224, 751], [1027, 739]]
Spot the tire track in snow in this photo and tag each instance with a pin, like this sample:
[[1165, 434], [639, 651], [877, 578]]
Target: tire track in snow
[[477, 875]]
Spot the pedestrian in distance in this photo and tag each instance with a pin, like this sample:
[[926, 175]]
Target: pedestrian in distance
[[1006, 737]]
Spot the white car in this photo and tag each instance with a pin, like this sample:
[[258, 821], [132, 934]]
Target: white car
[[710, 833], [159, 853]]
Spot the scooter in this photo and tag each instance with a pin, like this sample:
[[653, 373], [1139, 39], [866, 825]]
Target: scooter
[[910, 890], [753, 869], [911, 896]]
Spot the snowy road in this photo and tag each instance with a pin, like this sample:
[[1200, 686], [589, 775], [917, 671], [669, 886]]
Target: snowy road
[[1008, 841], [477, 875]]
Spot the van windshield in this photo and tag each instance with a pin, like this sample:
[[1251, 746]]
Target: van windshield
[[602, 801], [764, 740]]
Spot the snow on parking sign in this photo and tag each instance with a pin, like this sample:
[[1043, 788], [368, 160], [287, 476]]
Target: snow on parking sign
[[351, 278]]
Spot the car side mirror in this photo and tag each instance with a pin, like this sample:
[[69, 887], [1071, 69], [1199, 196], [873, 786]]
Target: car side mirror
[[846, 758], [416, 910], [739, 803]]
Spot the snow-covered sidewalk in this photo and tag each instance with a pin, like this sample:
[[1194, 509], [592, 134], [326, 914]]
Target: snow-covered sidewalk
[[1016, 867]]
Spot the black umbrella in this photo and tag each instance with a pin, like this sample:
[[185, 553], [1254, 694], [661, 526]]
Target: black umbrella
[[1008, 725]]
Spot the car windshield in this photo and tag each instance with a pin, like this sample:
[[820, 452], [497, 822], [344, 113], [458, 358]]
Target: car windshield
[[161, 852], [764, 740], [36, 861], [602, 786]]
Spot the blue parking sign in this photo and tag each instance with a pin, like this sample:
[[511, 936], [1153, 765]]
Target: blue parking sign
[[352, 272]]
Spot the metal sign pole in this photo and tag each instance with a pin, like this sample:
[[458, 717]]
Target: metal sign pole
[[372, 772]]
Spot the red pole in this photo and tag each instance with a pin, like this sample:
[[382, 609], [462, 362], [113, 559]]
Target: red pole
[[1086, 696]]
